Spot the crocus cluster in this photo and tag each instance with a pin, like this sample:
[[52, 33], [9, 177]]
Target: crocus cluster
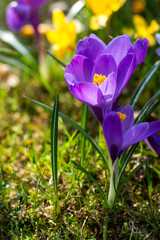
[[97, 75], [99, 72], [20, 12]]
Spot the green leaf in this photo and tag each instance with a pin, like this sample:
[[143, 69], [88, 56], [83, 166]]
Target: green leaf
[[10, 39], [77, 126], [140, 88], [144, 112], [55, 58], [84, 126], [125, 160], [130, 175], [75, 9], [14, 63], [156, 170], [149, 181], [31, 63], [8, 51], [54, 145], [93, 180]]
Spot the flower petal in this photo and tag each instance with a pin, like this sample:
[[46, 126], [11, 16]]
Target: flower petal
[[98, 39], [134, 134], [140, 48], [98, 111], [157, 36], [129, 120], [37, 3], [85, 92], [80, 68], [119, 47], [108, 87], [105, 65], [158, 51], [125, 71], [154, 143], [90, 47], [112, 129], [154, 127], [17, 15]]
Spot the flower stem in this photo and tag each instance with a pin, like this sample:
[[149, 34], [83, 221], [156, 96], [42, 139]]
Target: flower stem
[[113, 183]]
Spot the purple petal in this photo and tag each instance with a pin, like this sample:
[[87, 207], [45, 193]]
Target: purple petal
[[119, 47], [98, 39], [154, 127], [129, 120], [33, 3], [140, 48], [104, 65], [112, 129], [90, 47], [17, 15], [98, 111], [80, 68], [158, 51], [157, 36], [125, 71], [134, 134], [108, 87], [37, 3], [154, 143], [85, 92]]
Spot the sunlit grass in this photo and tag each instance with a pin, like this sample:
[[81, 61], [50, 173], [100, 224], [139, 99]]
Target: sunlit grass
[[27, 194]]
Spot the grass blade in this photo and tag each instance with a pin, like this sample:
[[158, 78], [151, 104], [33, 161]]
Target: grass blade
[[93, 180], [146, 108], [140, 88], [77, 126], [55, 58], [146, 114], [155, 169], [149, 181], [84, 126], [54, 144], [15, 63], [75, 9], [125, 161], [29, 62], [10, 39], [129, 176]]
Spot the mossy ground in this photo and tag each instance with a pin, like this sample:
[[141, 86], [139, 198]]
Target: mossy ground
[[27, 204]]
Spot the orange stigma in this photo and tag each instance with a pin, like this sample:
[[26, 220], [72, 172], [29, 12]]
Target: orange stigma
[[98, 79], [122, 116]]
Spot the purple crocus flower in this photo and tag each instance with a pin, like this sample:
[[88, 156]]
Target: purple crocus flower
[[157, 35], [154, 143], [120, 133], [20, 12], [98, 73]]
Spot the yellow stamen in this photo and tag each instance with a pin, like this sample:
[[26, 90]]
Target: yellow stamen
[[98, 79], [122, 116]]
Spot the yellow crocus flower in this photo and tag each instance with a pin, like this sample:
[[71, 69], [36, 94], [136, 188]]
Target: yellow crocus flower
[[63, 36], [142, 29], [102, 11]]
